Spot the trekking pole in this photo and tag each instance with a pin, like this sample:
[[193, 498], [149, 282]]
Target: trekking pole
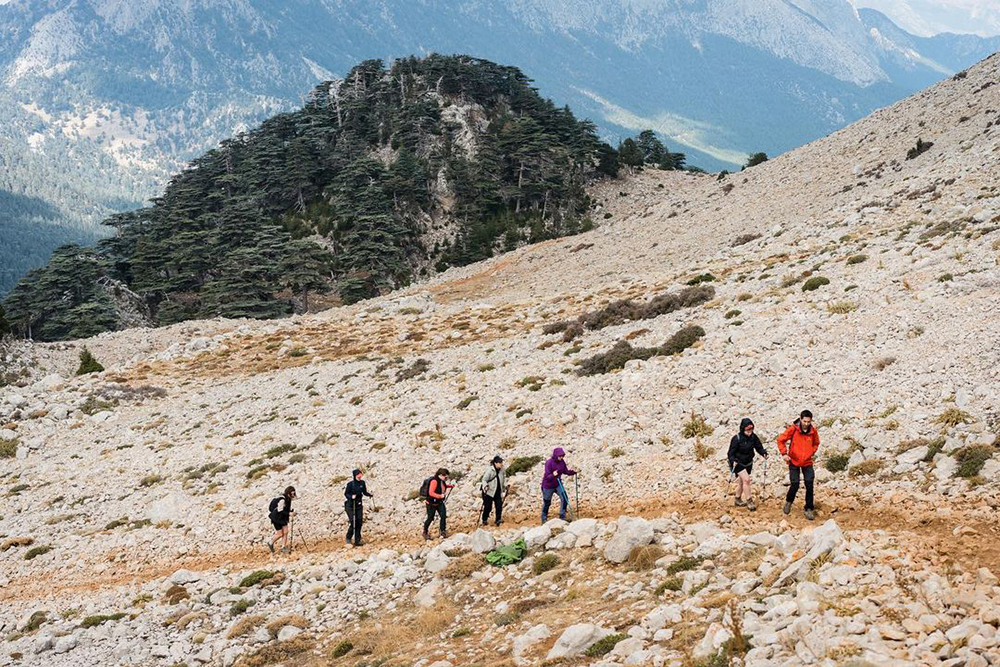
[[576, 489], [563, 494]]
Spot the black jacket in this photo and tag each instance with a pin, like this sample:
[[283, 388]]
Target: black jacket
[[741, 448], [356, 488], [282, 508]]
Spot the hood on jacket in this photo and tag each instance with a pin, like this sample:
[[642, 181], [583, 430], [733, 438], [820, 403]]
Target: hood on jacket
[[557, 452], [743, 426], [355, 473], [798, 424]]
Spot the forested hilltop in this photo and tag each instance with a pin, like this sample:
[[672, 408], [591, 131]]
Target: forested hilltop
[[393, 174]]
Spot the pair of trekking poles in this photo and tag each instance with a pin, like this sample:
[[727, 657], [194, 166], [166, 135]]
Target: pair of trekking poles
[[573, 507]]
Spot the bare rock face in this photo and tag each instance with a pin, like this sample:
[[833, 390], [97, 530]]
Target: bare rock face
[[631, 532], [576, 639]]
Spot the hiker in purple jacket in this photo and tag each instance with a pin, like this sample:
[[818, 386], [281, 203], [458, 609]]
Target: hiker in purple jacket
[[555, 470]]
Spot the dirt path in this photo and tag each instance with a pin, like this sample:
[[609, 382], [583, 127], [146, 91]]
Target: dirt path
[[939, 540]]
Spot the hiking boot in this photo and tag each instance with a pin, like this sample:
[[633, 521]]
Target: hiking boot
[[286, 550], [347, 540], [810, 515], [751, 505], [444, 534], [359, 543], [270, 545], [739, 502], [787, 509], [427, 535], [497, 524]]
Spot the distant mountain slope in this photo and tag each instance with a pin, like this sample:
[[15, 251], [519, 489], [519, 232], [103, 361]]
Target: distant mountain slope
[[100, 100]]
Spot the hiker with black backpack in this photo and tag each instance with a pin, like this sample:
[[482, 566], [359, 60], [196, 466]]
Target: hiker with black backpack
[[741, 453], [353, 495], [279, 511], [434, 491], [493, 487], [798, 445]]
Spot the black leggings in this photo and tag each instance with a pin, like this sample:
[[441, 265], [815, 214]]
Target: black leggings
[[355, 518], [793, 476], [441, 512], [489, 502]]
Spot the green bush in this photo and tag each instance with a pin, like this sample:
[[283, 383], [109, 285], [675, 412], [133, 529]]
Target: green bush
[[954, 417], [971, 459], [671, 584], [683, 564], [945, 278], [466, 402], [35, 552], [814, 283], [544, 563], [604, 646], [703, 278], [837, 462], [88, 364], [240, 607], [933, 449], [342, 649], [8, 448], [523, 464], [696, 427], [256, 577], [866, 468], [616, 452], [100, 619], [856, 259], [623, 352]]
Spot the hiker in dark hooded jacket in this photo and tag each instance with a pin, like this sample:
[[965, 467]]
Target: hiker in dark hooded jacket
[[279, 511], [555, 470], [353, 494], [741, 453]]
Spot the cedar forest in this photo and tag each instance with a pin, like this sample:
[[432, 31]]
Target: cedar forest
[[388, 176]]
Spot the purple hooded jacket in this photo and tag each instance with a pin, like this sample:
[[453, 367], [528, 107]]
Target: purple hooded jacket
[[555, 465]]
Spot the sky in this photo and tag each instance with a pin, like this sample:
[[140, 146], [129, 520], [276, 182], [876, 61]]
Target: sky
[[929, 17]]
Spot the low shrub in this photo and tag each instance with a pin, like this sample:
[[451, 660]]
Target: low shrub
[[699, 279], [239, 607], [463, 567], [683, 564], [626, 310], [604, 646], [544, 563], [883, 363], [933, 449], [88, 364], [837, 462], [842, 307], [616, 452], [342, 649], [245, 625], [971, 459], [856, 259], [743, 239], [918, 150], [150, 480], [175, 594], [505, 619], [101, 619], [35, 552], [523, 464], [466, 402], [815, 283], [623, 352], [672, 584], [416, 369], [294, 620], [256, 577], [945, 278]]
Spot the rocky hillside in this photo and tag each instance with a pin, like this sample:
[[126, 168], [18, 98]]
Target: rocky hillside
[[856, 276]]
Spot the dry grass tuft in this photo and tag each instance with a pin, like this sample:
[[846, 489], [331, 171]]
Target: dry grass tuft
[[245, 625], [12, 542], [278, 652], [463, 567], [297, 620], [644, 558]]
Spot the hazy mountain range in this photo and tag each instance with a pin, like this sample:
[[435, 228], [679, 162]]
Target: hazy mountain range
[[100, 100]]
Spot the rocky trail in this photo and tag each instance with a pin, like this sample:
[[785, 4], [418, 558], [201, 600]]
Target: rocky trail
[[858, 276]]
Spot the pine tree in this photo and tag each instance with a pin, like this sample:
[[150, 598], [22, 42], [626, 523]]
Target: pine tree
[[651, 147], [629, 153], [754, 159], [4, 325], [304, 268], [88, 364]]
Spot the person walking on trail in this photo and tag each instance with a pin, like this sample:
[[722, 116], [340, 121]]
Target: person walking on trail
[[493, 487], [741, 453], [354, 493], [279, 511], [435, 491], [798, 445], [555, 470]]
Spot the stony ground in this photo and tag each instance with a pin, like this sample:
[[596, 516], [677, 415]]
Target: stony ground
[[843, 277]]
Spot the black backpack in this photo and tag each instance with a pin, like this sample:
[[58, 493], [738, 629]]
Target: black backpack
[[425, 488], [272, 508]]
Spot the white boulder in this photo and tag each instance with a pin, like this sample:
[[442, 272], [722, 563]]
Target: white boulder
[[631, 532]]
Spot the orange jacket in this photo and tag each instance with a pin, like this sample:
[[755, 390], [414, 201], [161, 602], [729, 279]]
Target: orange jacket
[[803, 445]]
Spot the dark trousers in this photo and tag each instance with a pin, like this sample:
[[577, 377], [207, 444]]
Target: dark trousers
[[439, 509], [490, 502], [355, 518], [808, 474], [547, 502]]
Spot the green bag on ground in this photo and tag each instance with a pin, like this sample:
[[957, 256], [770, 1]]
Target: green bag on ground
[[508, 553]]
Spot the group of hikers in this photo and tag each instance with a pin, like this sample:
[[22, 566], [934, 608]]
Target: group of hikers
[[797, 445]]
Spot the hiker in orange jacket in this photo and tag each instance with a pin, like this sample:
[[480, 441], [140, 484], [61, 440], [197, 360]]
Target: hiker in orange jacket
[[798, 445]]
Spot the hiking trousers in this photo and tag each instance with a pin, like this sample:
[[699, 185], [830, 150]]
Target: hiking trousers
[[547, 502], [808, 475], [439, 509], [493, 502], [355, 518]]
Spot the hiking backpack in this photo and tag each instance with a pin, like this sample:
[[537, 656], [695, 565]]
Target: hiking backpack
[[425, 488], [272, 507]]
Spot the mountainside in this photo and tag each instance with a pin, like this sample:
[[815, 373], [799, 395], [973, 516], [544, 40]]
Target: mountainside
[[102, 100], [857, 276], [394, 173]]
